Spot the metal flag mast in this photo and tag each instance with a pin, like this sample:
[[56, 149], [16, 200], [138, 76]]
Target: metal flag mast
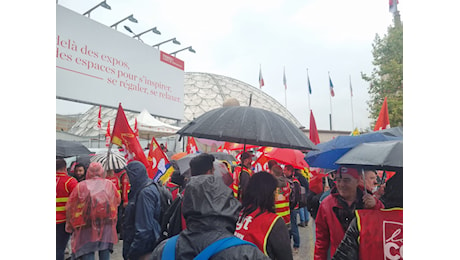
[[351, 99], [285, 86], [309, 87], [330, 102]]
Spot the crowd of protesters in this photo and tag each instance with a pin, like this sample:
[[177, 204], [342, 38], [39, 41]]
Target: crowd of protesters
[[255, 216]]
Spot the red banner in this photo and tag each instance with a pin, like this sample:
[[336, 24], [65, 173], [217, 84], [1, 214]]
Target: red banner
[[123, 136]]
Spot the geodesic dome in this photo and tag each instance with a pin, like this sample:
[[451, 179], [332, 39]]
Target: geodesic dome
[[202, 92]]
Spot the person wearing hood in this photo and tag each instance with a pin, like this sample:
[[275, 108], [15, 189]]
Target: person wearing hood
[[336, 211], [141, 226], [377, 234], [92, 215], [211, 212]]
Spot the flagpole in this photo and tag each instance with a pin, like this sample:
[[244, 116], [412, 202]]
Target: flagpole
[[285, 88], [330, 103], [308, 81], [351, 99]]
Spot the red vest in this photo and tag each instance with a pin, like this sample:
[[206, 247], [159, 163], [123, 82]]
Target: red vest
[[64, 186], [380, 233], [115, 181], [282, 203], [256, 229], [236, 179]]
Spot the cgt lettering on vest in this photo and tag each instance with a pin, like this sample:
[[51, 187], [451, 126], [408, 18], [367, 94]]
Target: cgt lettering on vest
[[242, 224], [393, 243]]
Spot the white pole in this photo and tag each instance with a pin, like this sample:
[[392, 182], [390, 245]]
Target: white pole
[[352, 115], [330, 103], [308, 83]]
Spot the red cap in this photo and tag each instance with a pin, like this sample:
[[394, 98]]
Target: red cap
[[351, 171]]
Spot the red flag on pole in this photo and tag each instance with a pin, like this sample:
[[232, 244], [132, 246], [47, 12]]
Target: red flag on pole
[[314, 136], [107, 135], [123, 136], [383, 122], [191, 145], [99, 119]]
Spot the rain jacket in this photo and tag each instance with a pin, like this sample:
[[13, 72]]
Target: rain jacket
[[334, 217], [92, 215], [211, 212], [141, 227]]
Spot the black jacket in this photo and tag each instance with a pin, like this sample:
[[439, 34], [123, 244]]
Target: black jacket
[[211, 213]]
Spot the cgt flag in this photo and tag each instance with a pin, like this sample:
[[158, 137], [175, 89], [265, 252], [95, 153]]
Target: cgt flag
[[383, 122], [123, 136], [191, 145], [158, 160]]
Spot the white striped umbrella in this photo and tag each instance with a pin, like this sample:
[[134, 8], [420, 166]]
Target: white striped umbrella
[[114, 161]]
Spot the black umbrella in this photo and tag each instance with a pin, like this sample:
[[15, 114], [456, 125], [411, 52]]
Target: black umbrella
[[223, 156], [247, 125], [386, 155], [66, 149]]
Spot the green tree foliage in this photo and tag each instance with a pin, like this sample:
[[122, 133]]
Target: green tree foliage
[[386, 79]]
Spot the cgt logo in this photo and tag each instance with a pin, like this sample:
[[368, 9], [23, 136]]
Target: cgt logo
[[393, 240]]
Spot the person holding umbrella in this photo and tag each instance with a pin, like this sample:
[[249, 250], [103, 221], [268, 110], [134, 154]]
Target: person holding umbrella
[[336, 211], [241, 175]]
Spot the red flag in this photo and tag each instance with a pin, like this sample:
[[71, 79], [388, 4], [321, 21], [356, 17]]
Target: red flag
[[191, 145], [99, 119], [383, 122], [314, 136], [107, 135], [123, 136], [136, 131], [158, 160]]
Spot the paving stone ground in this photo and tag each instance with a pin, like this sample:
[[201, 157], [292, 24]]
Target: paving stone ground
[[306, 249]]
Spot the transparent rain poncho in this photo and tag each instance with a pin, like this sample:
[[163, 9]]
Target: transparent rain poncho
[[92, 213]]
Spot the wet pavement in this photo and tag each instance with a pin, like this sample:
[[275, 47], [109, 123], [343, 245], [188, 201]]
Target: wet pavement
[[306, 249]]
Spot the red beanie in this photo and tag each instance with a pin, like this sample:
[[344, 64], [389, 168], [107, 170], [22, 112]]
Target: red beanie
[[351, 171]]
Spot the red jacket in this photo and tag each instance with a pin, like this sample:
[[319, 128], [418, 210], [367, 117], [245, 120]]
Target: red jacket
[[329, 230], [64, 186]]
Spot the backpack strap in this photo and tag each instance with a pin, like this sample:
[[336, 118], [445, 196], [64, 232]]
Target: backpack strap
[[220, 245], [169, 251]]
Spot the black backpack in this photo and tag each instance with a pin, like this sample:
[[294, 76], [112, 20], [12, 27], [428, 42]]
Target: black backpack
[[171, 223]]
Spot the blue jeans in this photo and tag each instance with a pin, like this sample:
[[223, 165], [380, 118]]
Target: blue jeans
[[103, 255], [62, 238], [304, 215], [294, 232]]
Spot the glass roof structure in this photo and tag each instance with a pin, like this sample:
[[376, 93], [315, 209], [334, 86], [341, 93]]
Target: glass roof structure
[[202, 92]]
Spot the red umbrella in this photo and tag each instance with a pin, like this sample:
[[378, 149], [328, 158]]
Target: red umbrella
[[286, 156]]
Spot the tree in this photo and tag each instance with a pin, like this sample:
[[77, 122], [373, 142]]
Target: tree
[[386, 79]]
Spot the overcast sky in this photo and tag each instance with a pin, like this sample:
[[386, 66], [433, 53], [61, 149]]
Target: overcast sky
[[235, 38]]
